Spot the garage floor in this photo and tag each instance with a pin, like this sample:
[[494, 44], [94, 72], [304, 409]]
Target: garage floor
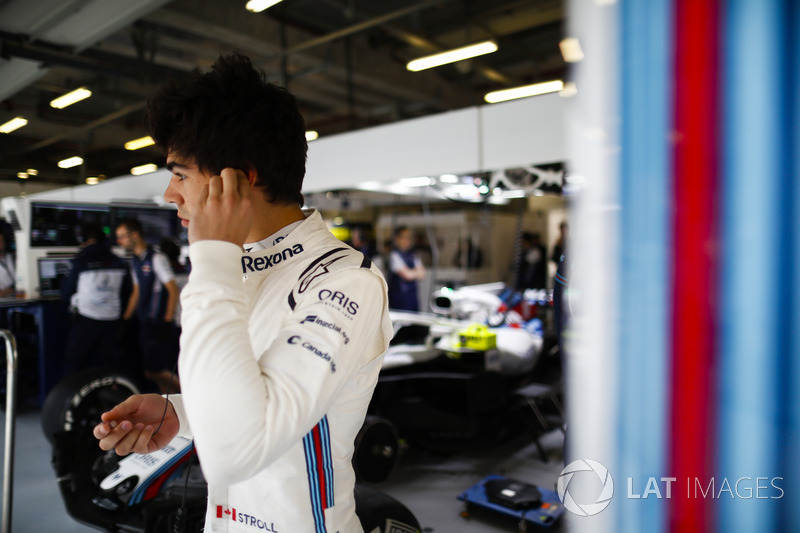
[[427, 484]]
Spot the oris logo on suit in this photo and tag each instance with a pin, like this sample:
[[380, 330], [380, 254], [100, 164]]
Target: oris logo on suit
[[339, 301]]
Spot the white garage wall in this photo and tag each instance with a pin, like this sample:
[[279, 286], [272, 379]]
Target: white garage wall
[[506, 135], [490, 137]]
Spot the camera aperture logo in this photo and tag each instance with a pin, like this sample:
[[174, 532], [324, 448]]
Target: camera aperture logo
[[743, 488], [602, 501]]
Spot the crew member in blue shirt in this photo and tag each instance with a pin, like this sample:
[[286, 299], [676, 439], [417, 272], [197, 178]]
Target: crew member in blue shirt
[[405, 268], [153, 300]]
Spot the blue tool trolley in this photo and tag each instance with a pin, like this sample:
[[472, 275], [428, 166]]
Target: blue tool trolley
[[541, 511]]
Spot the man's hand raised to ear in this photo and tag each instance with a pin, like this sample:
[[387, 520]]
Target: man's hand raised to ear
[[224, 210]]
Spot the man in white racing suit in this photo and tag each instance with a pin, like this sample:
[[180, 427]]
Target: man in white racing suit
[[282, 342]]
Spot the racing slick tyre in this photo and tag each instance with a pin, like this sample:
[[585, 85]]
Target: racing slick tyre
[[78, 400], [377, 450], [380, 513]]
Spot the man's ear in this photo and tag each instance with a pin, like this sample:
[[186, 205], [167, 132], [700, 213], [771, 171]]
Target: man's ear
[[252, 177]]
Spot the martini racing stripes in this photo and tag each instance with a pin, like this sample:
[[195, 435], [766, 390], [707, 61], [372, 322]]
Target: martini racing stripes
[[319, 466]]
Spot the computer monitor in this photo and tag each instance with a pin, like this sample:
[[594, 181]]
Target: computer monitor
[[157, 222], [56, 224], [52, 272]]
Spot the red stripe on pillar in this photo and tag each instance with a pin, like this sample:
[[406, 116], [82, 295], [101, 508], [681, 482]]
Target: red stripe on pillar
[[694, 264]]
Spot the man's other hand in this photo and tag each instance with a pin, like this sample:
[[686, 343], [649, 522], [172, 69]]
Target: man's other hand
[[131, 426]]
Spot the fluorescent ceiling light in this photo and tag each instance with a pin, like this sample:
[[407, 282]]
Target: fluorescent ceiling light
[[464, 191], [448, 178], [144, 169], [571, 50], [92, 180], [451, 56], [257, 6], [70, 162], [569, 90], [524, 91], [421, 181], [33, 172], [311, 135], [13, 124], [370, 186], [139, 143], [498, 200], [71, 97], [22, 175]]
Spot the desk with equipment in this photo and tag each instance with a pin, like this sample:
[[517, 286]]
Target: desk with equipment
[[40, 327]]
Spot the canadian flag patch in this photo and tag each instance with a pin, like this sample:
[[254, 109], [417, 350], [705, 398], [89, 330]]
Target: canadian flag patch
[[223, 511]]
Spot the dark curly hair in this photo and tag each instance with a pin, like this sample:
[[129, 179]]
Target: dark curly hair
[[132, 225], [232, 117]]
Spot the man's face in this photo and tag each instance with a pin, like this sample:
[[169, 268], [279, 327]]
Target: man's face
[[403, 240], [185, 185], [125, 238]]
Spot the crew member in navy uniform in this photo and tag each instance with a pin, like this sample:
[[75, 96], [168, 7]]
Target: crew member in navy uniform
[[284, 326], [405, 268], [7, 277], [94, 291], [153, 300]]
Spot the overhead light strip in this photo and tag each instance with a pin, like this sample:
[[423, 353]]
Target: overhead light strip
[[139, 143], [13, 124], [70, 162], [71, 97], [420, 181], [571, 50], [311, 135], [451, 56], [257, 6], [144, 169], [524, 91]]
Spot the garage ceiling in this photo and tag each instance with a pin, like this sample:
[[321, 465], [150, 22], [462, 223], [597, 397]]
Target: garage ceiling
[[343, 59]]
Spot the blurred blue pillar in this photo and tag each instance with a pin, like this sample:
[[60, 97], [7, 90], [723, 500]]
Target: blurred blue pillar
[[756, 266], [645, 192]]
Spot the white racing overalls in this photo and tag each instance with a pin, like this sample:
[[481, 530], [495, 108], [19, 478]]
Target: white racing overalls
[[280, 353]]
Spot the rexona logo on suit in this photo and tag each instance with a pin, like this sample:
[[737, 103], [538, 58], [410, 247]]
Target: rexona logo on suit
[[261, 263]]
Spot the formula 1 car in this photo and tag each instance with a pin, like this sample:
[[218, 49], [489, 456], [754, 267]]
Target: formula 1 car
[[165, 492], [449, 380]]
